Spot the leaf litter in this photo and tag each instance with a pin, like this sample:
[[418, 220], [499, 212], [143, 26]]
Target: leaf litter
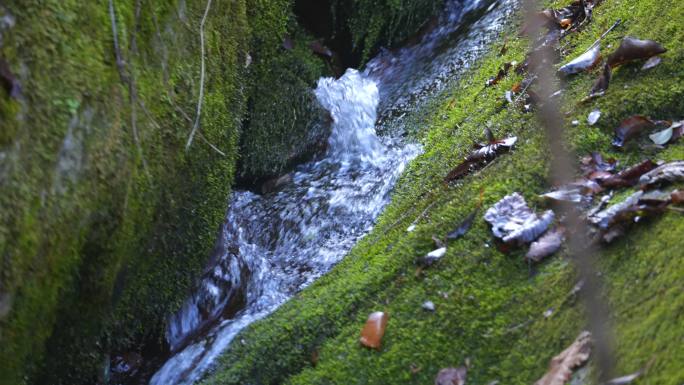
[[514, 222], [563, 365]]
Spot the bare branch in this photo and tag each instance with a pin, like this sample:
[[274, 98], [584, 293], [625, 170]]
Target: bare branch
[[202, 70], [581, 249], [128, 78]]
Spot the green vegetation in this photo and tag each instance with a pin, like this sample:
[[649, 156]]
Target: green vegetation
[[386, 22], [106, 219], [490, 305]]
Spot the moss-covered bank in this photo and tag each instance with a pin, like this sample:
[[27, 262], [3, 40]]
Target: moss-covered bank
[[490, 306]]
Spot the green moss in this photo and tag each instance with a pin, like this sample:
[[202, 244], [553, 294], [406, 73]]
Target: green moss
[[388, 22], [103, 231], [490, 305], [284, 122]]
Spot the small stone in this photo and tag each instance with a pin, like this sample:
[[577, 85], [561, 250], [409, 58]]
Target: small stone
[[593, 117], [411, 228], [451, 376], [575, 122], [428, 305], [432, 257]]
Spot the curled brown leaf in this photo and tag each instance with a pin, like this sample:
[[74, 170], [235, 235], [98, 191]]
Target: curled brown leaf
[[631, 128], [547, 245], [563, 365], [601, 84], [634, 49]]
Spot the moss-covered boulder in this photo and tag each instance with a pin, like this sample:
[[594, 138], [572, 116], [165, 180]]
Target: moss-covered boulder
[[107, 214]]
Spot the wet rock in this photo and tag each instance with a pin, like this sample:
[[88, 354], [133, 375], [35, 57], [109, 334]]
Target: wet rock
[[428, 306], [275, 184], [451, 376]]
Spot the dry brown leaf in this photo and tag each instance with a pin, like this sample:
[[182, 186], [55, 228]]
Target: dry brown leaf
[[452, 376], [634, 49], [548, 244], [669, 172], [628, 177], [677, 197], [631, 128], [371, 335], [584, 62], [563, 365], [601, 85], [481, 155]]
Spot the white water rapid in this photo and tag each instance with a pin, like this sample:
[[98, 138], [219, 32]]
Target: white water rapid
[[272, 246]]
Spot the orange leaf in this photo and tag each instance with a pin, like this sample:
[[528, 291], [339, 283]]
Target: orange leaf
[[371, 335]]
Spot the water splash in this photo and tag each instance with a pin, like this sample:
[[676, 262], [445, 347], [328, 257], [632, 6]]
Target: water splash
[[275, 245]]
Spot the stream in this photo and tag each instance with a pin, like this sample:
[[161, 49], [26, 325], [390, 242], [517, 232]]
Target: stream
[[274, 245]]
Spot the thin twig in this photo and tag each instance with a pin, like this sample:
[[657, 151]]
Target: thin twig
[[525, 89], [580, 249], [201, 90], [606, 33], [128, 78]]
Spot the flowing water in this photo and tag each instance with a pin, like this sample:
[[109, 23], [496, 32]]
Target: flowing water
[[272, 246]]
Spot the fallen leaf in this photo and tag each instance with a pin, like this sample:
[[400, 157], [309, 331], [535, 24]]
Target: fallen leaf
[[668, 135], [373, 330], [634, 49], [452, 376], [514, 222], [661, 138], [628, 177], [548, 244], [601, 84], [491, 150], [614, 221], [584, 62], [594, 117], [563, 365], [463, 228], [631, 128], [432, 257], [503, 71], [668, 172], [677, 197], [624, 380], [651, 63], [595, 162], [482, 154]]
